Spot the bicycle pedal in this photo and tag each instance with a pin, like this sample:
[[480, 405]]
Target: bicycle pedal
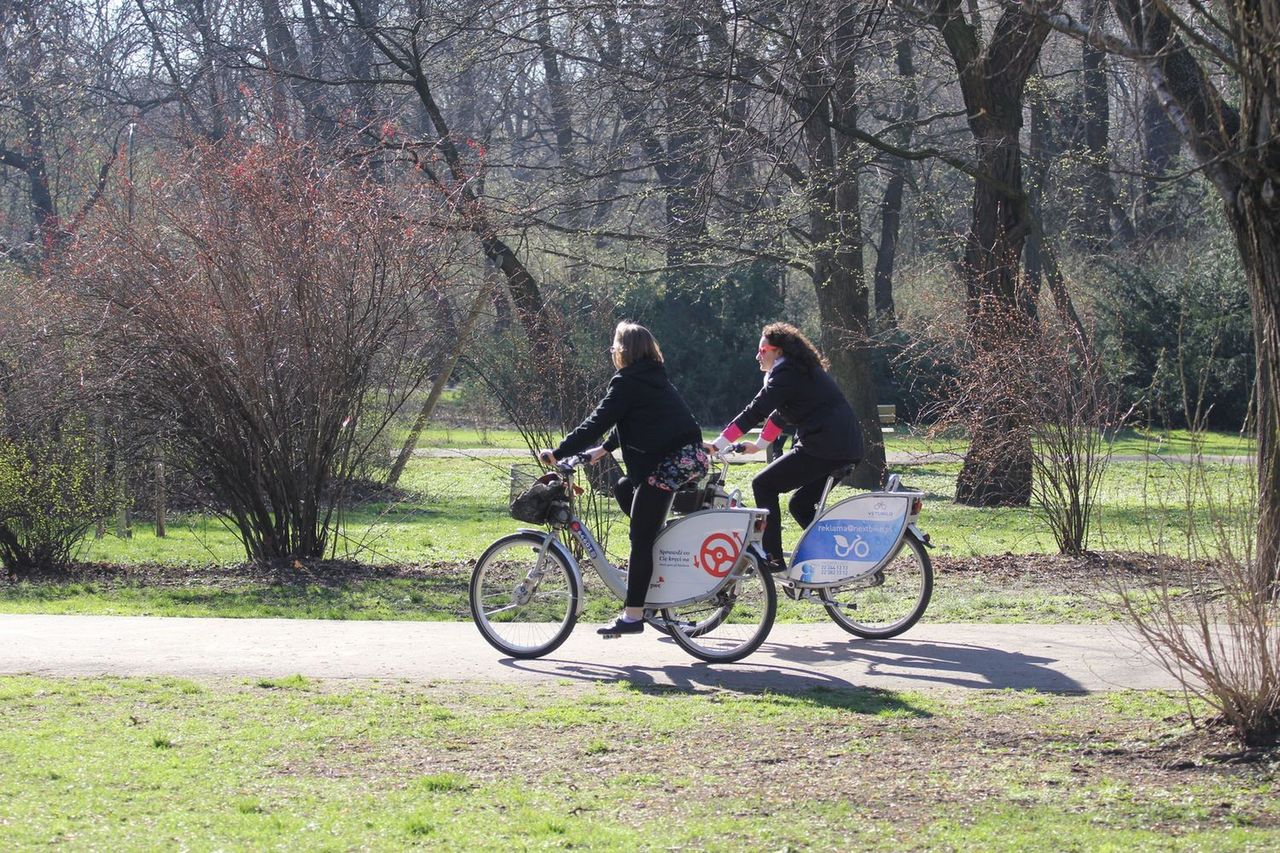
[[610, 636]]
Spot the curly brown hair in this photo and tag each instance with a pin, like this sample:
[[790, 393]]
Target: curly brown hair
[[794, 345]]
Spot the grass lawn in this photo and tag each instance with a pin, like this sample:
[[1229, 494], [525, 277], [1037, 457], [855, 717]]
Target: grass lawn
[[420, 547], [127, 764], [451, 509]]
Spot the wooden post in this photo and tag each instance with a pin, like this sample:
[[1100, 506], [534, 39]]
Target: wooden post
[[161, 499]]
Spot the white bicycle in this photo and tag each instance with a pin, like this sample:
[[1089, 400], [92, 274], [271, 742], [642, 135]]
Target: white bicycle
[[708, 592]]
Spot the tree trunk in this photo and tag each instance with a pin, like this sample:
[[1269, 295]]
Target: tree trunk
[[1256, 224], [997, 469], [891, 204], [1095, 116], [839, 277]]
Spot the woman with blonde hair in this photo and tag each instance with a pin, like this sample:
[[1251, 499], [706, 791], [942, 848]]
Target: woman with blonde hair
[[661, 451], [797, 391]]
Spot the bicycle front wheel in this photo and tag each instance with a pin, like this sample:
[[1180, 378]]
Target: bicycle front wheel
[[888, 602], [729, 625], [523, 606]]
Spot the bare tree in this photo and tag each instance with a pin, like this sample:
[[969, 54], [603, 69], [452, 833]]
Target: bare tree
[[272, 311]]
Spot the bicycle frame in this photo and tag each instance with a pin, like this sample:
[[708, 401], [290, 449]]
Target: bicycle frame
[[695, 556]]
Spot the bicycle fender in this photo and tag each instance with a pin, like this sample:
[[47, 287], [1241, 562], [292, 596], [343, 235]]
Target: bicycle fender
[[920, 535], [563, 553]]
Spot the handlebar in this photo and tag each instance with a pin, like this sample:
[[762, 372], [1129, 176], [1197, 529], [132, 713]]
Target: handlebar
[[569, 463]]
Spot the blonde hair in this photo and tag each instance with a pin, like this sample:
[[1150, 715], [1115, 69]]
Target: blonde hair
[[632, 342]]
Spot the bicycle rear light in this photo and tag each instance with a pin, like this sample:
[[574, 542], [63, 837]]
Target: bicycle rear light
[[916, 505]]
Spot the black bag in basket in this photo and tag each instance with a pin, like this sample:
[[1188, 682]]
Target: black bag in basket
[[534, 503]]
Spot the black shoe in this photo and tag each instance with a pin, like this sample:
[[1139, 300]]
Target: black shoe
[[621, 626], [774, 566]]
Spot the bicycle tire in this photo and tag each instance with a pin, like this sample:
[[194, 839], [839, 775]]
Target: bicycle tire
[[543, 620], [731, 624], [893, 603]]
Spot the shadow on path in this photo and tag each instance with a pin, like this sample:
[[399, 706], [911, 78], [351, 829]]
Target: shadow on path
[[836, 665], [955, 664]]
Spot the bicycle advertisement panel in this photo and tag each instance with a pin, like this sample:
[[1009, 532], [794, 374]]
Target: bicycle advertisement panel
[[694, 555], [851, 539]]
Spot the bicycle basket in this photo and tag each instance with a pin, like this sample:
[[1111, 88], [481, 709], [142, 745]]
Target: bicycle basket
[[532, 496]]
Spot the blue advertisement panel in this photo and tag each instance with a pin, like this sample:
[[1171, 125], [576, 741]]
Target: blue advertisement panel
[[851, 539]]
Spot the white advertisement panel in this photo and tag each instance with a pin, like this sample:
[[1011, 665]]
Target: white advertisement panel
[[694, 554], [851, 538]]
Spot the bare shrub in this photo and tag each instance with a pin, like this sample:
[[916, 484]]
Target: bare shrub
[[1214, 622], [1033, 397], [1072, 411], [50, 491], [543, 411], [272, 312]]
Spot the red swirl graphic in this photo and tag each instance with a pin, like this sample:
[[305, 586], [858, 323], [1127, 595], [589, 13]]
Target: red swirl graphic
[[719, 553]]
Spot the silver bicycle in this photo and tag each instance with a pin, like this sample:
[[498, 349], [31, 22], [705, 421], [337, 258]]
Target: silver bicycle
[[708, 592]]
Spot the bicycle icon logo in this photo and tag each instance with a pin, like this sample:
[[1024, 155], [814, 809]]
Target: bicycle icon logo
[[858, 546], [718, 554]]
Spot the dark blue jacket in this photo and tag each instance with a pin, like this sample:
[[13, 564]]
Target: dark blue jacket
[[811, 401], [650, 418]]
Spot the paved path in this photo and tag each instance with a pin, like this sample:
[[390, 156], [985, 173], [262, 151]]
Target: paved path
[[1060, 658]]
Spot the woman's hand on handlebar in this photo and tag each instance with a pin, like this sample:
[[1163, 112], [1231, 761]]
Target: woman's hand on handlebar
[[747, 447], [595, 454], [546, 457], [740, 447]]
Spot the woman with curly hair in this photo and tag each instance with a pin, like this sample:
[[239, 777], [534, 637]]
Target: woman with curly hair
[[797, 391]]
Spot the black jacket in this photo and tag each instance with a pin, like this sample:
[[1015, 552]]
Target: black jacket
[[811, 401], [651, 418]]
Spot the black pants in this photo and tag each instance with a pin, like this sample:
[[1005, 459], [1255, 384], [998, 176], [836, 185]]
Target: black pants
[[797, 470], [647, 506]]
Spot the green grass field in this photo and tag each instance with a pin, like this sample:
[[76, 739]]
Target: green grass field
[[453, 508], [133, 764]]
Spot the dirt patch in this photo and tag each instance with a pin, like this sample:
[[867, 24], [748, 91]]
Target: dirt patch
[[1027, 569], [334, 573], [1065, 571], [962, 760]]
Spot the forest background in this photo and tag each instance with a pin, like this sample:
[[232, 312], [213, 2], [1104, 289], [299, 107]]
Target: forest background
[[251, 244]]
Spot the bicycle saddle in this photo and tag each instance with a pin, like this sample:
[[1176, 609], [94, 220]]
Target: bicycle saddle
[[841, 474]]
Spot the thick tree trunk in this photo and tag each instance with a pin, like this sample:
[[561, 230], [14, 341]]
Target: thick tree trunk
[[839, 277], [997, 469], [1256, 223]]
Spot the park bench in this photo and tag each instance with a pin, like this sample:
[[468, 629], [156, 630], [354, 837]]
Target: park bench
[[888, 416]]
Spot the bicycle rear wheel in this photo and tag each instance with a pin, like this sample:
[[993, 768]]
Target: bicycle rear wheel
[[890, 601], [524, 608], [729, 625]]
